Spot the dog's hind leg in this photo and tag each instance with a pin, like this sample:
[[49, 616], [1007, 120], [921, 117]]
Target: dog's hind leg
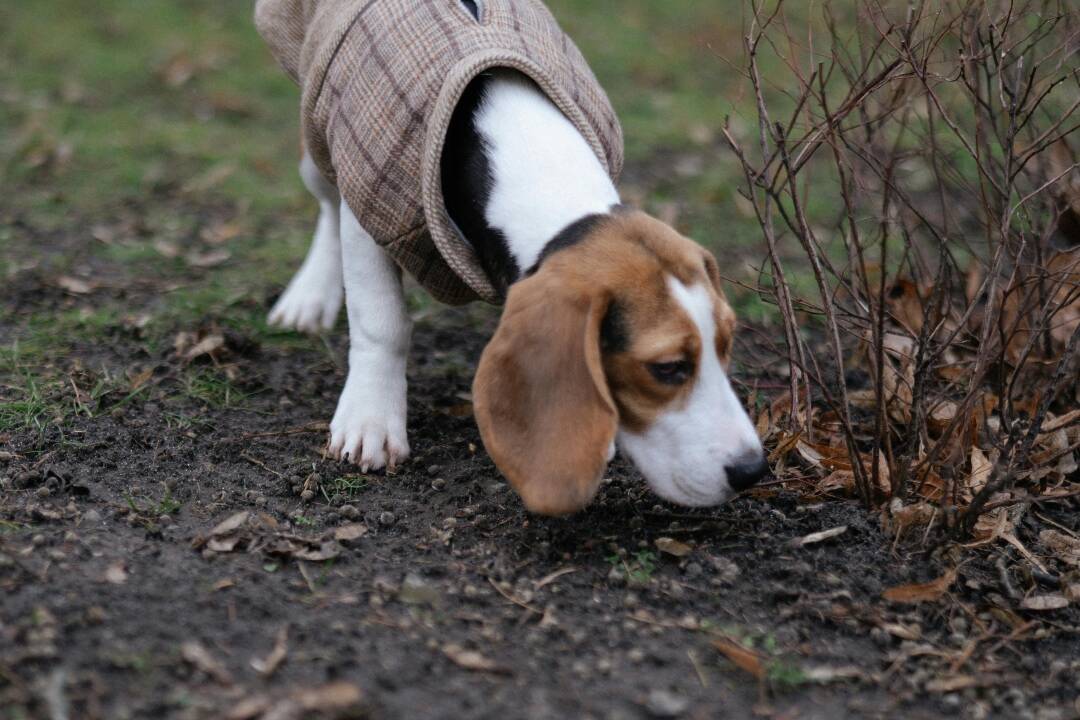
[[312, 300], [369, 425]]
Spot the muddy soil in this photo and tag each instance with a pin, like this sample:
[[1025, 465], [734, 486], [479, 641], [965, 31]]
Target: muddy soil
[[429, 592]]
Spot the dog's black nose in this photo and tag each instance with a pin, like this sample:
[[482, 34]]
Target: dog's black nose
[[747, 471]]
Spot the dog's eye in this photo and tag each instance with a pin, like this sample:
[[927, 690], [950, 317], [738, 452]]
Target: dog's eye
[[672, 373]]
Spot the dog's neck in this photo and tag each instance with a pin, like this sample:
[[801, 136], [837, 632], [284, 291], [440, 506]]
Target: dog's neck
[[518, 176]]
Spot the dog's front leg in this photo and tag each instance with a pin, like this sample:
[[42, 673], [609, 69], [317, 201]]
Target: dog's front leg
[[369, 425]]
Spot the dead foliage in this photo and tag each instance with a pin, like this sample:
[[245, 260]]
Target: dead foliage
[[260, 533], [934, 365]]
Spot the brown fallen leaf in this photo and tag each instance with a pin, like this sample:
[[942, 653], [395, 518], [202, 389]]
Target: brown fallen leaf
[[921, 592], [333, 697], [1065, 547], [336, 701], [232, 523], [673, 547], [198, 656], [138, 380], [980, 472], [268, 665], [353, 531], [742, 657], [472, 660]]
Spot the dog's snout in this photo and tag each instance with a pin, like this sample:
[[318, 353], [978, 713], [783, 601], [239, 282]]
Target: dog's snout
[[747, 471]]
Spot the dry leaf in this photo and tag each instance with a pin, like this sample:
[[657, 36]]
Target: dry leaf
[[335, 696], [354, 531], [140, 379], [1044, 602], [901, 631], [222, 232], [918, 514], [741, 657], [951, 684], [814, 538], [673, 547], [1065, 547], [195, 654], [234, 522], [267, 666], [980, 471], [471, 660], [921, 592]]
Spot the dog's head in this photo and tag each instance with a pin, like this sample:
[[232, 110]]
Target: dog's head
[[624, 335]]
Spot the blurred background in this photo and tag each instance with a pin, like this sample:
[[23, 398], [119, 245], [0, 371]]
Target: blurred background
[[164, 132]]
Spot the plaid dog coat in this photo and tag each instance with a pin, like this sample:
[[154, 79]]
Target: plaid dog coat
[[380, 81]]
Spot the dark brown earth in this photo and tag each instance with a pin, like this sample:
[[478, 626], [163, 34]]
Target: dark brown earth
[[451, 602]]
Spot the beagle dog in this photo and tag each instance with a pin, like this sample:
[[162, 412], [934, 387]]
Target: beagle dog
[[615, 331]]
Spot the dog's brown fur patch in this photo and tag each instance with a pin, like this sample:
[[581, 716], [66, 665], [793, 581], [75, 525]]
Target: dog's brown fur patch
[[548, 401]]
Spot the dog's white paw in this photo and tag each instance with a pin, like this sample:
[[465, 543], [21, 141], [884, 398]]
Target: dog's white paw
[[310, 303], [368, 428]]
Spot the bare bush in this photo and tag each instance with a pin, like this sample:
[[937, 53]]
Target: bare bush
[[946, 134]]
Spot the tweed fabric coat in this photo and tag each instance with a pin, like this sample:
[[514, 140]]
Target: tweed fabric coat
[[380, 80]]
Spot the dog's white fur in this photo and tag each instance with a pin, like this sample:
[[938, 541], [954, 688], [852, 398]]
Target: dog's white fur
[[545, 175], [545, 178]]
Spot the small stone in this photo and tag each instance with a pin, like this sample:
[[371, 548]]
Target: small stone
[[91, 516], [635, 655], [438, 483], [96, 615], [616, 577], [666, 704], [434, 470], [38, 539], [43, 492], [726, 570], [387, 518], [164, 520], [307, 495], [349, 512], [692, 569], [630, 600], [952, 701]]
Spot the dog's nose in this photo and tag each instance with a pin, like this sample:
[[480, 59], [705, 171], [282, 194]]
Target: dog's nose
[[747, 471]]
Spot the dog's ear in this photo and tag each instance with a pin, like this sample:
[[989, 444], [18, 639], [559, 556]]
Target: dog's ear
[[541, 399]]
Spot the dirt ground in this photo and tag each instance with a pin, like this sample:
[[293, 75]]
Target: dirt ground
[[429, 593], [173, 545]]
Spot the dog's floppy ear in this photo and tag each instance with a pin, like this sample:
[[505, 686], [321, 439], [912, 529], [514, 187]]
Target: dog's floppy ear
[[541, 399]]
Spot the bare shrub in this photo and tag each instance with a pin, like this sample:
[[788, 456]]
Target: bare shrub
[[945, 134]]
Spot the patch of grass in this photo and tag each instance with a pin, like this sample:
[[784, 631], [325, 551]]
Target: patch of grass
[[303, 521], [347, 485], [784, 675], [639, 568], [212, 388], [168, 505]]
